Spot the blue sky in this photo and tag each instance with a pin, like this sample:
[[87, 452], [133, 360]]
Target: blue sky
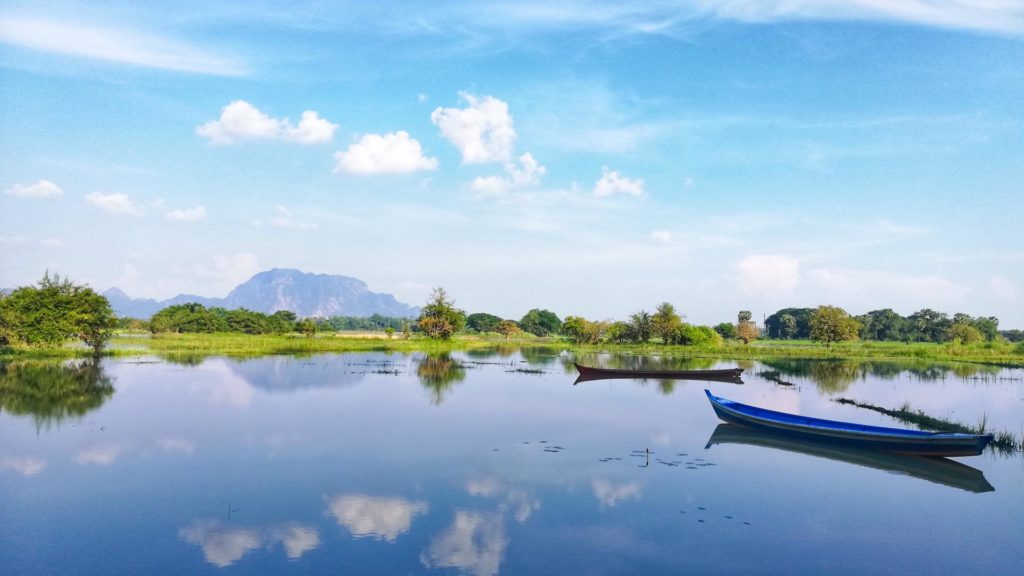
[[591, 158]]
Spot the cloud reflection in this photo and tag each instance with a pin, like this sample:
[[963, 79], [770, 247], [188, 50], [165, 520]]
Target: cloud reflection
[[24, 466], [223, 546], [610, 495], [381, 518], [101, 454], [518, 501], [475, 543], [180, 445]]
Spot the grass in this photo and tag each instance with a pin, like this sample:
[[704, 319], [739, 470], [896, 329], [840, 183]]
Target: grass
[[127, 343], [1004, 441]]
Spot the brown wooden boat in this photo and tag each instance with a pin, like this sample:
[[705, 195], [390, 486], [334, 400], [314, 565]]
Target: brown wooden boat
[[592, 373]]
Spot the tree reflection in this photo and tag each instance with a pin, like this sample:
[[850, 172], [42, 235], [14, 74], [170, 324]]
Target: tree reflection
[[438, 373], [833, 376], [51, 392]]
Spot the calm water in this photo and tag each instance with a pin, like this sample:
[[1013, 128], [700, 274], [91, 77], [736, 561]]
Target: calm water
[[487, 464]]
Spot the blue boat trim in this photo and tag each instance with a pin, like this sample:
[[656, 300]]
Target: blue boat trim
[[895, 439]]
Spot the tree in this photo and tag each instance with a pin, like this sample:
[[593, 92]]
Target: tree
[[440, 319], [307, 327], [619, 332], [884, 326], [928, 325], [583, 331], [746, 330], [640, 327], [389, 332], [833, 324], [788, 324], [541, 322], [726, 330], [776, 327], [964, 333], [702, 336], [666, 322], [482, 322], [508, 328], [53, 311], [989, 327]]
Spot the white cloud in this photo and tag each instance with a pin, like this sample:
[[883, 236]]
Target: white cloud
[[612, 182], [186, 215], [41, 189], [996, 16], [1004, 288], [115, 203], [51, 242], [284, 218], [137, 48], [223, 546], [180, 445], [24, 466], [482, 132], [880, 287], [101, 454], [663, 237], [240, 120], [475, 543], [610, 495], [770, 274], [391, 153], [527, 172], [17, 239], [381, 518]]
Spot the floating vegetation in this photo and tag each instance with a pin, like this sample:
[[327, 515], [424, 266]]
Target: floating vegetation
[[1005, 442], [527, 371], [774, 376]]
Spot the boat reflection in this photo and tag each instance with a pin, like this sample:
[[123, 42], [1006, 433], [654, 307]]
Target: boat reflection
[[933, 469]]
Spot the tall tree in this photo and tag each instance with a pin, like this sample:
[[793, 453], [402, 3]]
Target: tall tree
[[541, 322], [746, 330], [640, 327], [666, 322], [833, 324], [440, 319]]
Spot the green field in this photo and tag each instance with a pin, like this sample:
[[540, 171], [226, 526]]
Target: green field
[[135, 343]]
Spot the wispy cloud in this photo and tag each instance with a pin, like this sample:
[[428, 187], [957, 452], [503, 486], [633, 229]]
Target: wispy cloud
[[143, 48], [41, 189], [186, 214], [115, 203]]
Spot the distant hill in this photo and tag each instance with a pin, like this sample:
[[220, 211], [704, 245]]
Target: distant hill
[[305, 294]]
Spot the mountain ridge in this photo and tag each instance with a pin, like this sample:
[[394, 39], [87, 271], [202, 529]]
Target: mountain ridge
[[304, 293]]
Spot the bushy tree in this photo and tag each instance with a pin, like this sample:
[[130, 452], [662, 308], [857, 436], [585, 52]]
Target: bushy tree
[[440, 319], [927, 325], [746, 330], [964, 333], [666, 322], [583, 331], [776, 326], [541, 322], [53, 311], [482, 322], [619, 332], [726, 330], [833, 324], [508, 328], [884, 325], [189, 318], [701, 336], [640, 327]]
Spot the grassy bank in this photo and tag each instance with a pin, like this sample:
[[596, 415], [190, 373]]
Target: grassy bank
[[127, 344]]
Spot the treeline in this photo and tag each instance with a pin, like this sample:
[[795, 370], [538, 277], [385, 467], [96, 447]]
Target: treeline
[[196, 318], [888, 326]]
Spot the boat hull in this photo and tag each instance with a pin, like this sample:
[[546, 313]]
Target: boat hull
[[848, 434], [590, 373]]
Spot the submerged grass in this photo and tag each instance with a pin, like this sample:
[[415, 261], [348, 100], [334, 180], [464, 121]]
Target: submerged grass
[[1004, 441]]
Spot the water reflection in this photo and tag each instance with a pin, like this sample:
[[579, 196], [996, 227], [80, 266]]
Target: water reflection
[[439, 373], [381, 518], [610, 494], [474, 543], [937, 470], [224, 545], [52, 392], [27, 466], [517, 500], [836, 376]]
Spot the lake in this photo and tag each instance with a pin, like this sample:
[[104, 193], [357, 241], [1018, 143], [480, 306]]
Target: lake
[[489, 463]]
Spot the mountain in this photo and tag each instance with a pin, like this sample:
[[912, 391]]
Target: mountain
[[305, 294]]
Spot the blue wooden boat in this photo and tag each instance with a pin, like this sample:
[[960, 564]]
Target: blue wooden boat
[[930, 468], [849, 434]]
